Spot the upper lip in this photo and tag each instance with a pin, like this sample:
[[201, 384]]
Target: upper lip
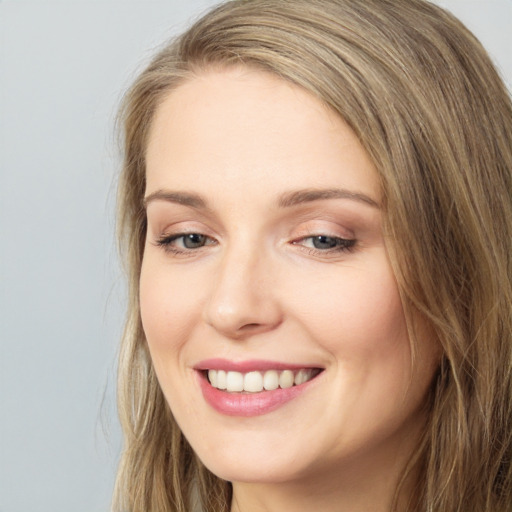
[[248, 365]]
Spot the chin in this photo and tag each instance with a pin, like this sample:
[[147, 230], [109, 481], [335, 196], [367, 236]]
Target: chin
[[254, 472], [256, 461]]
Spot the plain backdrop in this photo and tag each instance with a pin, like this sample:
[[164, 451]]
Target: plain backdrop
[[63, 67]]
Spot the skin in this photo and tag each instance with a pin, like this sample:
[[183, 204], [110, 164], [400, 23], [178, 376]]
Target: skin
[[245, 142]]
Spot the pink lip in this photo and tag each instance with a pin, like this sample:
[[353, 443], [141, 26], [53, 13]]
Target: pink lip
[[247, 404], [257, 365]]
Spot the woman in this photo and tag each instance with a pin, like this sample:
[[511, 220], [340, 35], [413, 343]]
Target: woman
[[316, 207]]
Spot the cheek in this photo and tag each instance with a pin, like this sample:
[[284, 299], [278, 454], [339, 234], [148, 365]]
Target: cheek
[[166, 307], [170, 307], [359, 320], [359, 313]]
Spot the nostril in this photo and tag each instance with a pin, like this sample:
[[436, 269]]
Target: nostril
[[251, 326]]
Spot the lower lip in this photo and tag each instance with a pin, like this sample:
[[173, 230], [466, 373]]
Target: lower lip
[[248, 404]]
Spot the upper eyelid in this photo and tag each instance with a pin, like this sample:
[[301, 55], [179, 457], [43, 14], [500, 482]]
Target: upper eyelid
[[352, 240], [181, 234], [161, 229], [313, 229], [290, 228], [302, 233], [160, 218]]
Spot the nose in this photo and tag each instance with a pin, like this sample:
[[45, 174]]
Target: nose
[[243, 301]]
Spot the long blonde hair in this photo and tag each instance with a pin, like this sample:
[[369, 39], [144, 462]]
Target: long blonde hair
[[427, 104]]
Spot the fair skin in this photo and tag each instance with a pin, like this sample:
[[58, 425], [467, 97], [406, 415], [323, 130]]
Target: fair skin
[[265, 253]]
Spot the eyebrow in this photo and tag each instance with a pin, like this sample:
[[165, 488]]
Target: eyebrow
[[295, 198], [184, 198], [286, 200]]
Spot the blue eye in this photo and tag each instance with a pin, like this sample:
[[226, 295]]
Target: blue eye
[[193, 240], [182, 242], [325, 243]]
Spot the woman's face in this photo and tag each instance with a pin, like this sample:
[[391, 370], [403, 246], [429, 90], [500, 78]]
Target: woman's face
[[265, 270]]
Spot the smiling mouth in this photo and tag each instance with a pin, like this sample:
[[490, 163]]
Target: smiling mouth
[[257, 382]]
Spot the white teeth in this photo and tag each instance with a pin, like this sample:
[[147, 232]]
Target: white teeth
[[253, 382], [221, 379], [256, 382], [271, 380], [302, 376], [286, 379], [234, 381], [212, 377]]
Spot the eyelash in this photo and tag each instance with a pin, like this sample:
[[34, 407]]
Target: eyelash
[[340, 245], [166, 242]]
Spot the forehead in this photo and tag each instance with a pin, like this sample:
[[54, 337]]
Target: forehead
[[240, 124]]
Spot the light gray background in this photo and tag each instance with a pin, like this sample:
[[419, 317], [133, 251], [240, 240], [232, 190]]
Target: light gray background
[[63, 67]]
